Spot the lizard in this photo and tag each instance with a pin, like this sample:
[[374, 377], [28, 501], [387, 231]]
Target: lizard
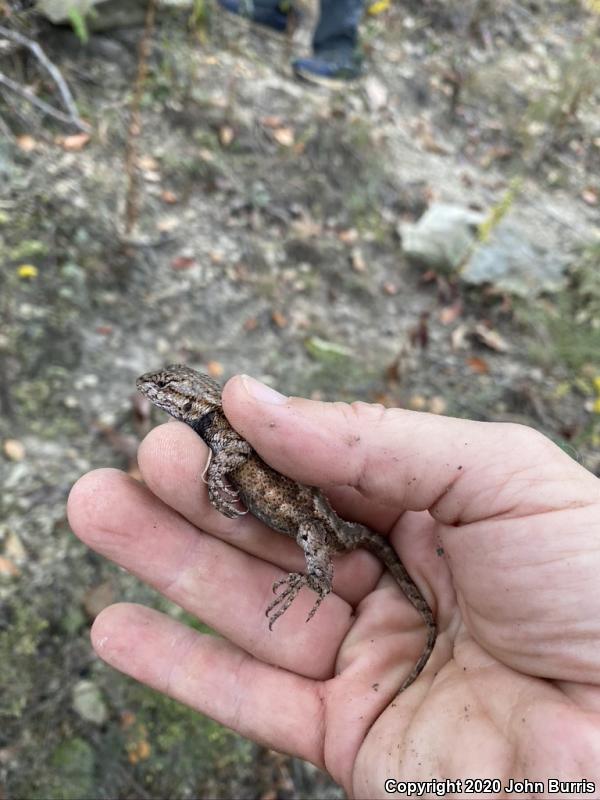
[[235, 472]]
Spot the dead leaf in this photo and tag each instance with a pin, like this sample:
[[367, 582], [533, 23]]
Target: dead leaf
[[128, 719], [390, 288], [417, 402], [349, 236], [8, 568], [206, 155], [14, 450], [251, 324], [284, 136], [590, 196], [98, 598], [104, 330], [458, 336], [75, 142], [449, 314], [279, 319], [491, 338], [357, 259], [226, 135], [180, 263], [26, 143], [272, 121], [216, 256], [214, 369], [167, 224], [437, 405], [419, 335], [478, 365], [147, 162], [167, 196], [14, 548]]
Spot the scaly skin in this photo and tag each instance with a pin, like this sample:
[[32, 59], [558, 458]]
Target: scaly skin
[[235, 472]]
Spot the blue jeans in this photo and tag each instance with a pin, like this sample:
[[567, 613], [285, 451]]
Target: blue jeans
[[337, 29]]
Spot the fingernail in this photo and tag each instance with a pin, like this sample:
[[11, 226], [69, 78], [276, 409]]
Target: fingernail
[[264, 394]]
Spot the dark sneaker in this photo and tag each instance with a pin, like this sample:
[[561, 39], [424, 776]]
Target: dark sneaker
[[276, 17], [334, 71]]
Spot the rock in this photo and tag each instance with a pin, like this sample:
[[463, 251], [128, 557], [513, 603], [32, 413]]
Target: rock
[[517, 258], [58, 10], [513, 262], [89, 703], [106, 14], [442, 238]]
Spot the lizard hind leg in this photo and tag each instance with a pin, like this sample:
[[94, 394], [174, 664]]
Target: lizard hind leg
[[292, 584], [312, 538]]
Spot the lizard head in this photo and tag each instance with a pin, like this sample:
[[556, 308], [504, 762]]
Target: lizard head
[[182, 392]]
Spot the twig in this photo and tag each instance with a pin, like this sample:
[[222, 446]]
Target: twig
[[73, 117], [133, 132], [41, 104]]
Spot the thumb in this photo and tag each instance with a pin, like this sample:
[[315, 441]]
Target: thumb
[[458, 469]]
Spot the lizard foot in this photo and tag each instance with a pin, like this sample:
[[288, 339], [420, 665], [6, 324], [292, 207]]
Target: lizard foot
[[292, 585], [224, 500]]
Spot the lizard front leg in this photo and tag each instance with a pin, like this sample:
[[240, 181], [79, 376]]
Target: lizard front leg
[[220, 463], [319, 573]]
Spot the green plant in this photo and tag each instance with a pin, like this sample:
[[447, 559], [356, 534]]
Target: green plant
[[78, 24]]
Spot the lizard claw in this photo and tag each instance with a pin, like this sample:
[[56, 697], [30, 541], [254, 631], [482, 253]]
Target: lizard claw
[[293, 583]]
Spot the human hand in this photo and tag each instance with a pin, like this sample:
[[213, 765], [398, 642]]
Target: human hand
[[498, 527]]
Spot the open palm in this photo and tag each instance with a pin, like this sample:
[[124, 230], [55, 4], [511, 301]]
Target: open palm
[[500, 530]]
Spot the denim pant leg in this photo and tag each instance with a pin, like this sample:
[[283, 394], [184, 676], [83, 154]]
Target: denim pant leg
[[337, 29]]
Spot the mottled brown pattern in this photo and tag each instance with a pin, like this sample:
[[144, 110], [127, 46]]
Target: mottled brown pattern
[[238, 478]]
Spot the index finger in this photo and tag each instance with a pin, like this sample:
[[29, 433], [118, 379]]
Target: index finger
[[460, 470]]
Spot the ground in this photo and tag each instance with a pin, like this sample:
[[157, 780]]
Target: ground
[[267, 242]]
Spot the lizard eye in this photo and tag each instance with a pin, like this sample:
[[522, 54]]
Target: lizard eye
[[187, 407]]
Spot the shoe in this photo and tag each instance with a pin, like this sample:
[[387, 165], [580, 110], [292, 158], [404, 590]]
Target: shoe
[[276, 18], [335, 71]]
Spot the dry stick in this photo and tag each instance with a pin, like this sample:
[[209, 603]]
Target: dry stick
[[35, 100], [133, 132], [73, 117]]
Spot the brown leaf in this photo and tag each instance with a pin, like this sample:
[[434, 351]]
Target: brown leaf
[[279, 319], [478, 365], [358, 261], [417, 402], [284, 136], [272, 121], [590, 196], [214, 369], [390, 288], [183, 262], [449, 314], [148, 163], [98, 598], [458, 336], [226, 135], [167, 224], [8, 568], [419, 335], [75, 142], [167, 196], [491, 338], [349, 236], [104, 330], [14, 548], [26, 143], [437, 405], [251, 324], [14, 450]]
